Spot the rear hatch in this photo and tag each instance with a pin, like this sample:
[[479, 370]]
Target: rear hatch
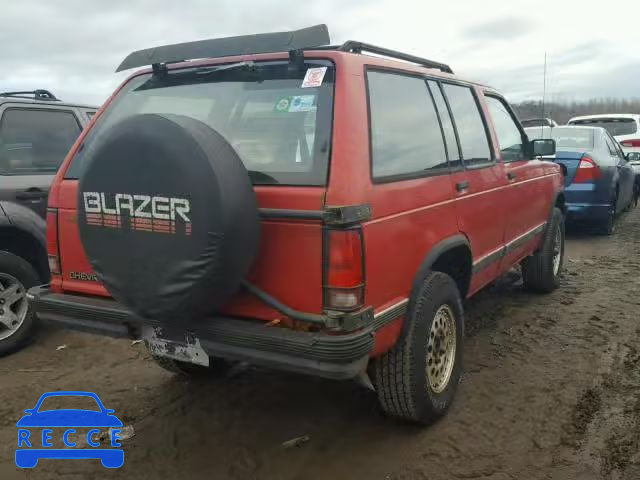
[[282, 133]]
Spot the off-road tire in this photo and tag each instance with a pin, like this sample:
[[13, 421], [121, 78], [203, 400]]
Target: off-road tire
[[538, 273], [400, 375], [24, 272]]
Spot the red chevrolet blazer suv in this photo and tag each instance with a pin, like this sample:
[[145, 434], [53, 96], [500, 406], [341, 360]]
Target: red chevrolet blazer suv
[[319, 209]]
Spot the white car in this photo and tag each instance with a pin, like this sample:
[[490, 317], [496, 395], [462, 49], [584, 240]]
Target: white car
[[625, 128]]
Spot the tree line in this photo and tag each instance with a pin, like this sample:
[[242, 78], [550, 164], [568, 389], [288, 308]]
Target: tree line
[[562, 112]]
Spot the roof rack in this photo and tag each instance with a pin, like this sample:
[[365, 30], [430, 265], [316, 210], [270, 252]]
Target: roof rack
[[39, 94], [227, 47], [359, 47]]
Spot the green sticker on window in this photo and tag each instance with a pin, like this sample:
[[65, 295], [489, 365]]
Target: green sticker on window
[[282, 105]]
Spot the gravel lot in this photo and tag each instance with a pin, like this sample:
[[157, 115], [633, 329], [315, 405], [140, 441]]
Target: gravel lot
[[551, 391]]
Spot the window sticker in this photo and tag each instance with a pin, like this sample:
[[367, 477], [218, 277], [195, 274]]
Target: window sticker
[[295, 104], [282, 105], [314, 77], [302, 103]]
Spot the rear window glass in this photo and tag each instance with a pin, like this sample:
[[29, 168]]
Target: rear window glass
[[34, 141], [536, 122], [565, 137], [280, 130], [406, 137], [615, 126]]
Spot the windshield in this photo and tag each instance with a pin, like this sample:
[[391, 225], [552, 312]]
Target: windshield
[[615, 126], [565, 137], [280, 129]]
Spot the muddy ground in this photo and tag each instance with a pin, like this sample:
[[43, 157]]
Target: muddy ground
[[551, 390]]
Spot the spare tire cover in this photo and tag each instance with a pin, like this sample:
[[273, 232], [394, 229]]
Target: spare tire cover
[[167, 216]]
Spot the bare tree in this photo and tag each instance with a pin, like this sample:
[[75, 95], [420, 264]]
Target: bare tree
[[562, 112]]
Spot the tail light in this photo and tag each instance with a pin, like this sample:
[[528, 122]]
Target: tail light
[[53, 252], [631, 143], [344, 270], [587, 171]]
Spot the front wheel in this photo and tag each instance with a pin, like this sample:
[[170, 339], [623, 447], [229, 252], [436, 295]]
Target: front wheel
[[417, 379], [541, 271]]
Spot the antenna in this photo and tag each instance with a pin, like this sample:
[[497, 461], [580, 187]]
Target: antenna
[[544, 83]]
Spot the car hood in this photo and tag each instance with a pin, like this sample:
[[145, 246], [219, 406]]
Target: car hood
[[69, 418]]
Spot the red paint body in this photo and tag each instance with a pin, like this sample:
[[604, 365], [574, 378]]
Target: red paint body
[[408, 217]]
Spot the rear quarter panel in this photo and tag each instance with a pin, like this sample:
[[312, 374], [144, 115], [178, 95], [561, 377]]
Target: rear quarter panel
[[408, 217]]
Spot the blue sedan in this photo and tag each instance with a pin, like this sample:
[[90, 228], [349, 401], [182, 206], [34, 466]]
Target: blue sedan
[[600, 181]]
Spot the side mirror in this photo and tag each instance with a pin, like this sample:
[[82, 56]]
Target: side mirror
[[543, 147]]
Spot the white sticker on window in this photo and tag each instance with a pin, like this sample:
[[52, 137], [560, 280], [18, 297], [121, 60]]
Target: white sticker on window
[[314, 77]]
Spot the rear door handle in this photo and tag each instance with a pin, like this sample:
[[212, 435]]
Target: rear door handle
[[31, 195], [512, 176], [462, 186]]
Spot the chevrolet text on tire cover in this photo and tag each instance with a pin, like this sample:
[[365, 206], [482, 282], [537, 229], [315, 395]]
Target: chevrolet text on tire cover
[[167, 216], [315, 209]]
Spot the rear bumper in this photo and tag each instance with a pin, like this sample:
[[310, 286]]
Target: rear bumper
[[587, 212], [333, 356]]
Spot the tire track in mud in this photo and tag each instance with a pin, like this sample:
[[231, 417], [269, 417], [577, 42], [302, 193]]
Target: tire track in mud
[[602, 437]]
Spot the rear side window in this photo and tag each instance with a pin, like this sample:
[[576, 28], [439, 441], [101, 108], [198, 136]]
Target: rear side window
[[406, 139], [447, 125], [471, 130], [508, 133], [35, 141], [610, 145], [280, 128], [615, 126]]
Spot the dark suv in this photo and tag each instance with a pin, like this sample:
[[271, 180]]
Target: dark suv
[[36, 132], [303, 207]]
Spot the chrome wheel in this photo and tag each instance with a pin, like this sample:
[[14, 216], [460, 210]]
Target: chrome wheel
[[557, 250], [441, 349], [14, 305]]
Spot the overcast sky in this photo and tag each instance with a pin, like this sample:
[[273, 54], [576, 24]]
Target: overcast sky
[[72, 47]]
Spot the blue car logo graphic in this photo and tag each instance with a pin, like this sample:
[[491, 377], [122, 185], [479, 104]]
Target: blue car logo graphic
[[32, 447]]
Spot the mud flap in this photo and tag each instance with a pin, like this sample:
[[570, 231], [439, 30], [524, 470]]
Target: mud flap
[[186, 349]]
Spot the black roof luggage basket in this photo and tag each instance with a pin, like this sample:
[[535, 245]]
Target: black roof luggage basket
[[39, 94], [230, 46], [359, 47]]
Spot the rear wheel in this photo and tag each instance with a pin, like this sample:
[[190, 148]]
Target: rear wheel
[[417, 379], [541, 271], [608, 226], [17, 320]]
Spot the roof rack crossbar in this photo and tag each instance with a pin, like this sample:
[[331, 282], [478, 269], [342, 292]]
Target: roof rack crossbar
[[359, 47], [229, 46], [39, 94]]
